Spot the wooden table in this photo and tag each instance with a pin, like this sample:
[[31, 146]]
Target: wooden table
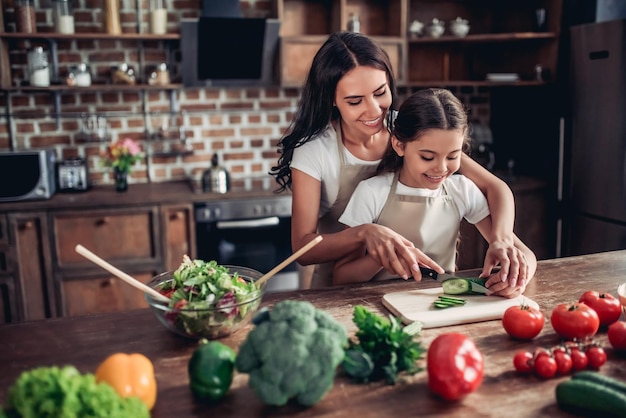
[[86, 341]]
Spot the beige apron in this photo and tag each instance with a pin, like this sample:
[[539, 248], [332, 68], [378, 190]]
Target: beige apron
[[431, 223], [349, 177]]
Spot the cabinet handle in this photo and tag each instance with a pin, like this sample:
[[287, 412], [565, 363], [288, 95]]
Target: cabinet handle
[[176, 216], [26, 225], [102, 221]]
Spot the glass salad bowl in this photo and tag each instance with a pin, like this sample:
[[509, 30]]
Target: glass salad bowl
[[205, 305]]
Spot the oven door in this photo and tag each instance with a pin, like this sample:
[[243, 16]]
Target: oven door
[[260, 244]]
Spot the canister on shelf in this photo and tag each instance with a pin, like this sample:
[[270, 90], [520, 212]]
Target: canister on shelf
[[159, 76], [123, 74], [158, 17], [79, 75], [63, 16], [38, 67], [25, 20], [112, 23]]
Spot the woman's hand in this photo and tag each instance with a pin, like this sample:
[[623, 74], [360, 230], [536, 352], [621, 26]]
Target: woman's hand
[[395, 253]]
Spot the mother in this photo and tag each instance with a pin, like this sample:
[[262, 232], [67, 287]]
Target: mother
[[337, 138]]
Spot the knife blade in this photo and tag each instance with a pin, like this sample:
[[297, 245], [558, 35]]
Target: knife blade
[[440, 277]]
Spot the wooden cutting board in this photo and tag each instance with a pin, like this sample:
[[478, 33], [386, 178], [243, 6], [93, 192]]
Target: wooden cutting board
[[416, 305]]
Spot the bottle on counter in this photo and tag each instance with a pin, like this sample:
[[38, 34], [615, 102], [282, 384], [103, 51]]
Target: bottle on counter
[[216, 179], [25, 20], [354, 24], [158, 17], [63, 16]]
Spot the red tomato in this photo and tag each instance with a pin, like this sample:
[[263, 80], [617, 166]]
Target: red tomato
[[523, 322], [596, 356], [579, 359], [617, 335], [523, 361], [606, 306], [455, 366], [563, 362], [545, 366], [574, 321]]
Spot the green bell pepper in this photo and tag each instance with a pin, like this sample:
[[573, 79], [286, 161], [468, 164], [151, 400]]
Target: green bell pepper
[[211, 370]]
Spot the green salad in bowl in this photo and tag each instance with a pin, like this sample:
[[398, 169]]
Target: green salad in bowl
[[207, 300]]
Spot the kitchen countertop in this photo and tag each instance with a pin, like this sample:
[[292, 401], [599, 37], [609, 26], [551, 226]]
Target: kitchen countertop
[[86, 341], [147, 193]]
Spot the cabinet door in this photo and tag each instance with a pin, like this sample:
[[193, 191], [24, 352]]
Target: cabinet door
[[178, 234], [31, 255], [8, 300], [103, 294], [125, 237]]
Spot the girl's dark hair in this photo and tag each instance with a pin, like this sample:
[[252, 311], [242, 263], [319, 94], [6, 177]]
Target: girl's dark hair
[[423, 110], [342, 52]]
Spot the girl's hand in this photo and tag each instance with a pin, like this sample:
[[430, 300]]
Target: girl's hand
[[504, 289], [512, 262], [395, 253]]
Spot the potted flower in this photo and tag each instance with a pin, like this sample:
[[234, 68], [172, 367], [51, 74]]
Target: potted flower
[[122, 155]]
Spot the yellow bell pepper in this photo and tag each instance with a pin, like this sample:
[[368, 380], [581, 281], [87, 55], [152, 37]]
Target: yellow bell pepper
[[129, 375]]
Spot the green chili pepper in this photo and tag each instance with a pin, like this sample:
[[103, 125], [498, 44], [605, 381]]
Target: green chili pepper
[[211, 369]]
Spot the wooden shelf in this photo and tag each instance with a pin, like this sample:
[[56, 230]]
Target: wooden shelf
[[91, 36], [94, 88], [486, 38], [477, 83]]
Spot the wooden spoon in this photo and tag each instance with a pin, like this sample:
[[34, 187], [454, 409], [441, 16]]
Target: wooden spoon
[[119, 273], [289, 260]]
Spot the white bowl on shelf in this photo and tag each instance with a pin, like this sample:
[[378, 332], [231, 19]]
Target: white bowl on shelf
[[459, 27], [435, 29]]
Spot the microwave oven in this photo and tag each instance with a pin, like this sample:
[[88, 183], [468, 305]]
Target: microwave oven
[[27, 175]]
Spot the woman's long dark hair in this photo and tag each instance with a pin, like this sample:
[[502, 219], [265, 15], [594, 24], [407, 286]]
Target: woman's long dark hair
[[342, 52], [423, 110]]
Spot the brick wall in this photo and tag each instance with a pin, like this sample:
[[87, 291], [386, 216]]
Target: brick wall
[[241, 125]]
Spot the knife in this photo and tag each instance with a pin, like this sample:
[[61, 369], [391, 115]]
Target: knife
[[440, 277]]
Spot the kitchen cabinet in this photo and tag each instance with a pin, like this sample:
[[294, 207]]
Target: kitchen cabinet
[[503, 39], [26, 287], [42, 276]]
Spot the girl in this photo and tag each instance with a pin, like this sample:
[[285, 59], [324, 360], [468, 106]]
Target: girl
[[337, 139], [417, 194]]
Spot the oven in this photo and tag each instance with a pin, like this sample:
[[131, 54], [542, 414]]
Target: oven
[[250, 232]]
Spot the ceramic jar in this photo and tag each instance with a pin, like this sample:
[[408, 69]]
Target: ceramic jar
[[459, 27]]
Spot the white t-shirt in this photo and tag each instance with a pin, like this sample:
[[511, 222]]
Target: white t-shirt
[[369, 198], [319, 158]]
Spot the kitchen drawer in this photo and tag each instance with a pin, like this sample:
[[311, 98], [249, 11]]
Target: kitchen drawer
[[103, 294], [121, 236]]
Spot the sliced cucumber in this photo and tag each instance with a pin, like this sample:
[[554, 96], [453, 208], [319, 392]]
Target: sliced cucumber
[[457, 286], [443, 302], [460, 286]]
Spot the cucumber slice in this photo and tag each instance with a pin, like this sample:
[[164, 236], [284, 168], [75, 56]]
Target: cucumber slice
[[453, 300], [457, 286]]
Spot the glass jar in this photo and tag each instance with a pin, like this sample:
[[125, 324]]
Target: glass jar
[[63, 16], [38, 67], [123, 74], [25, 20], [158, 17], [79, 75], [160, 76]]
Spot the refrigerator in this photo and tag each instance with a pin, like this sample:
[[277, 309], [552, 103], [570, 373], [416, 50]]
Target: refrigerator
[[597, 170]]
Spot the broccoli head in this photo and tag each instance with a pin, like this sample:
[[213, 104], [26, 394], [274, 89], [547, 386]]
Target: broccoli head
[[292, 353]]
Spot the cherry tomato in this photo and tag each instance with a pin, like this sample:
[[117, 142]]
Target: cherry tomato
[[607, 306], [545, 367], [523, 361], [455, 366], [523, 322], [579, 359], [596, 356], [617, 335], [563, 362], [575, 321]]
